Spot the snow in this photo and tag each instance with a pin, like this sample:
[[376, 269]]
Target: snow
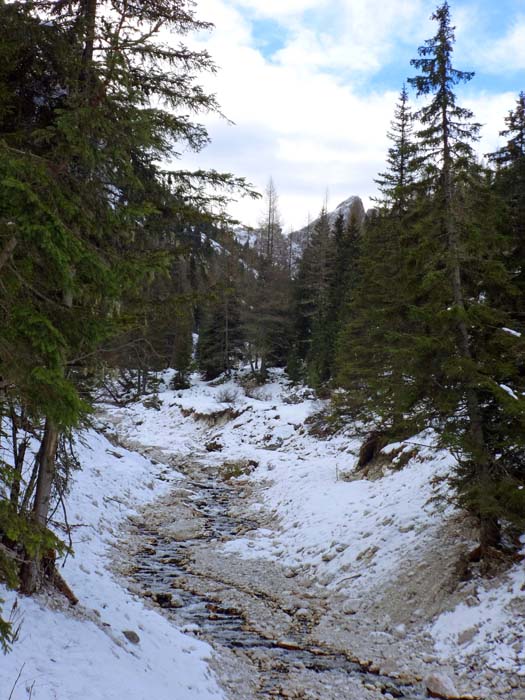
[[517, 334], [245, 236], [491, 617], [351, 534], [331, 526], [81, 652], [509, 391]]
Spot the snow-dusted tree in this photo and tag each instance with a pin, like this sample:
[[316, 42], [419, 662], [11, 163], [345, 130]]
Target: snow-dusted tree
[[459, 346]]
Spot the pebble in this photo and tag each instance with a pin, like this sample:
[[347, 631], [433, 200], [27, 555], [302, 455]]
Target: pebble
[[131, 636], [349, 607], [328, 556]]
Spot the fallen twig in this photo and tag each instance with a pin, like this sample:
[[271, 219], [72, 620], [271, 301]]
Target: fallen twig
[[16, 682]]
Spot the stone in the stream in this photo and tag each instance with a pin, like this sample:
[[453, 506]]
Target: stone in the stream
[[349, 607], [164, 599], [131, 636], [328, 556], [185, 528], [439, 685]]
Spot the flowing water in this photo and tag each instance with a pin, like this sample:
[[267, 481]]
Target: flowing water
[[293, 667]]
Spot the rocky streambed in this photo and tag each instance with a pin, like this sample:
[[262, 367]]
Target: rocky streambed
[[274, 631]]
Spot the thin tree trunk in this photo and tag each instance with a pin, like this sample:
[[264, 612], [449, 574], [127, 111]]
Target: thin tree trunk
[[227, 336], [7, 251], [89, 19], [19, 452], [46, 472]]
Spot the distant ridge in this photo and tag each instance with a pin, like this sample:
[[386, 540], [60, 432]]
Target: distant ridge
[[351, 206]]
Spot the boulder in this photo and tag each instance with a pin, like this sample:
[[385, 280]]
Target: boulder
[[439, 685]]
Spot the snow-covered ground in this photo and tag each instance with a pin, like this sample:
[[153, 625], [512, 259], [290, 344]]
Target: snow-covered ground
[[82, 653], [359, 537], [351, 535]]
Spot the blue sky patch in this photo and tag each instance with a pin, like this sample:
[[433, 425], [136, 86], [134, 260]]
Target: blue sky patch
[[269, 36]]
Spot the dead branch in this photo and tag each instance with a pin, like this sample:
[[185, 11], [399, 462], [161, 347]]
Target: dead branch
[[8, 250], [16, 682]]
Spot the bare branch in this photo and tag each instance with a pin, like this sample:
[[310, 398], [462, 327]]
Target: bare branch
[[7, 251]]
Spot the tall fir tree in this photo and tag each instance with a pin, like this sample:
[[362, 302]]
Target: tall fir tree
[[312, 299], [433, 322], [510, 186], [398, 183], [92, 101], [470, 362], [375, 313]]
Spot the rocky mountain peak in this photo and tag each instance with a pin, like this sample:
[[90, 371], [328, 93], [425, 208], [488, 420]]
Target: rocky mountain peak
[[348, 207]]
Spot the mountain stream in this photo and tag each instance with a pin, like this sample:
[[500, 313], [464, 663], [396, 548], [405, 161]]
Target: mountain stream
[[256, 614]]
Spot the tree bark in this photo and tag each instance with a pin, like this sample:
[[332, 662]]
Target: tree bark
[[46, 473], [7, 251], [89, 23], [19, 452], [30, 575]]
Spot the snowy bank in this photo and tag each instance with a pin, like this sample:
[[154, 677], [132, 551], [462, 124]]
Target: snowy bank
[[82, 652]]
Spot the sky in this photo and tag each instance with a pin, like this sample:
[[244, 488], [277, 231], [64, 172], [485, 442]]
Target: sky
[[309, 87]]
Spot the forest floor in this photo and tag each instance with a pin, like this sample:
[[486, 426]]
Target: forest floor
[[227, 548]]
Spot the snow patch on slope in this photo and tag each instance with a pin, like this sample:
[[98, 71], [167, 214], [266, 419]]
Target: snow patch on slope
[[352, 536], [81, 652], [489, 624]]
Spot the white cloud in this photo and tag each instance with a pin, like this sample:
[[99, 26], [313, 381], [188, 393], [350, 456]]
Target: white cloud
[[508, 53], [477, 44], [273, 9], [490, 111], [303, 115]]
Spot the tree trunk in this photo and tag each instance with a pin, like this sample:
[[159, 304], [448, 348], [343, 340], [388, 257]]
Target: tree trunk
[[89, 12], [46, 473], [7, 251], [227, 337], [19, 452], [30, 575]]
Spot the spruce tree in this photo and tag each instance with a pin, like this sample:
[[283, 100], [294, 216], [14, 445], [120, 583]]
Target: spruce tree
[[510, 186], [312, 300], [92, 101], [468, 361], [265, 292], [347, 244], [374, 319], [397, 183], [220, 329]]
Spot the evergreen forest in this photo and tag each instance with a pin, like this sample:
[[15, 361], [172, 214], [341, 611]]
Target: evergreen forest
[[116, 265]]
